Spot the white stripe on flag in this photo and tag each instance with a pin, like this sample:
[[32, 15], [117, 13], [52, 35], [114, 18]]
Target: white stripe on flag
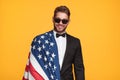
[[37, 67], [26, 75], [31, 77]]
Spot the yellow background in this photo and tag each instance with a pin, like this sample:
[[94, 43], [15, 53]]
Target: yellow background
[[95, 22]]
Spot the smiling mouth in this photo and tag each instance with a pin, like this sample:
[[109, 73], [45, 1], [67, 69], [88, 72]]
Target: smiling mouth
[[60, 26]]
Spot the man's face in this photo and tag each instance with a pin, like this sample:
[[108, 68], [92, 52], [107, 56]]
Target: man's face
[[60, 22]]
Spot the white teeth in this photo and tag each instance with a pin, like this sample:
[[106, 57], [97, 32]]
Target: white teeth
[[60, 26]]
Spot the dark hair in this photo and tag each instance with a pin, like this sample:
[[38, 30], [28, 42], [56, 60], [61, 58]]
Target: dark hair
[[62, 9]]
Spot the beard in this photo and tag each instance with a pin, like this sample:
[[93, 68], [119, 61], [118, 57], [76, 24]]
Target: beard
[[59, 31]]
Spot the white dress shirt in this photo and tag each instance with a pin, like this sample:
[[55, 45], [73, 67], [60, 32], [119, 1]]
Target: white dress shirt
[[61, 45]]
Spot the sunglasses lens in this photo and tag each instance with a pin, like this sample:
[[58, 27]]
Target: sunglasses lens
[[64, 21], [57, 20]]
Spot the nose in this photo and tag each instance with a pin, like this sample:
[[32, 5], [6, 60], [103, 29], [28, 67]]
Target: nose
[[60, 22]]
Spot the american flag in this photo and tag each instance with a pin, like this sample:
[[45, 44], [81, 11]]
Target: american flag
[[43, 59]]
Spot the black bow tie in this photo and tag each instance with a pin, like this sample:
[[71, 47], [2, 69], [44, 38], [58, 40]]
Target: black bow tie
[[58, 35]]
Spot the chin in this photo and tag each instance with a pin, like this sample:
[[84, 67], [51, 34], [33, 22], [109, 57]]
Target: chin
[[60, 31]]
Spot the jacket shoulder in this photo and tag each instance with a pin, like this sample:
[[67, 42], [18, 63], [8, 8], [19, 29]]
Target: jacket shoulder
[[73, 37]]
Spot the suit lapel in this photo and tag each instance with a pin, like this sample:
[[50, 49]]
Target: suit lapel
[[66, 52]]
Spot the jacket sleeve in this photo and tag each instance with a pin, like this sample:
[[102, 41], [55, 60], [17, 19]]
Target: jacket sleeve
[[78, 62]]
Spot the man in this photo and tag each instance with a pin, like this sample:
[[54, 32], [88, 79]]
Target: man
[[53, 53]]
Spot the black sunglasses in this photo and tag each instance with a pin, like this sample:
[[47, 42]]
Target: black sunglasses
[[64, 21]]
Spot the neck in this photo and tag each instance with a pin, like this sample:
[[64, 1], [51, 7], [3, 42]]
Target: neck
[[60, 32]]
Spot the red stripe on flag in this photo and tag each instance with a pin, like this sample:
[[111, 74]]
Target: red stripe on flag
[[27, 68], [34, 73], [24, 79]]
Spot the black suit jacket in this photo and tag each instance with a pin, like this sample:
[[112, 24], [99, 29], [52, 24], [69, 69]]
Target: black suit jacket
[[73, 55]]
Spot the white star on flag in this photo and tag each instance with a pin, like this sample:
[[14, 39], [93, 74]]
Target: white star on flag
[[39, 49], [42, 37], [39, 56], [52, 44], [46, 41], [53, 55], [39, 41], [33, 47]]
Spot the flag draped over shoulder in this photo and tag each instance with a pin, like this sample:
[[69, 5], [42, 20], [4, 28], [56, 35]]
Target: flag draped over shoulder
[[43, 61]]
